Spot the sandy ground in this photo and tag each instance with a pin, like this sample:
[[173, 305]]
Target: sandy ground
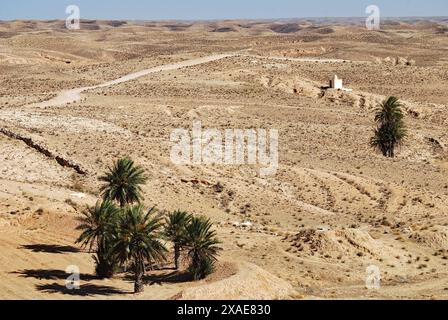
[[334, 208]]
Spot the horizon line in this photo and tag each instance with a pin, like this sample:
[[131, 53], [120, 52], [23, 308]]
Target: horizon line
[[225, 19]]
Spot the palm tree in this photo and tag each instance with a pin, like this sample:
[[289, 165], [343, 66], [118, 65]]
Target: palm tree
[[175, 224], [391, 130], [202, 246], [98, 224], [137, 241], [123, 183]]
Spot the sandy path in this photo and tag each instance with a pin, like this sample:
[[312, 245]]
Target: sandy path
[[69, 96]]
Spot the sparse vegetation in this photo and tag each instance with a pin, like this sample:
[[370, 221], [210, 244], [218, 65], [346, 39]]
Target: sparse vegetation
[[331, 198]]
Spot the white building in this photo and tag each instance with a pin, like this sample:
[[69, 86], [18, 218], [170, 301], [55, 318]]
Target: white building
[[336, 83]]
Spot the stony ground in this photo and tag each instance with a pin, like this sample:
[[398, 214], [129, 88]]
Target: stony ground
[[334, 207]]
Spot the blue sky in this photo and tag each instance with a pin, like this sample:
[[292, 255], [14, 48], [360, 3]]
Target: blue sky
[[216, 9]]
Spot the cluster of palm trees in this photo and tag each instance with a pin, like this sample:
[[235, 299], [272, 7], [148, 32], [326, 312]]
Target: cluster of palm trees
[[125, 236], [391, 130]]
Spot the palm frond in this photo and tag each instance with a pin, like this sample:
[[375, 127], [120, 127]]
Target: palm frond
[[391, 130], [122, 183]]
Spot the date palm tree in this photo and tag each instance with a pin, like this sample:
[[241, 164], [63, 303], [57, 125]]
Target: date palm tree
[[202, 245], [175, 224], [137, 241], [391, 130], [97, 225], [123, 183]]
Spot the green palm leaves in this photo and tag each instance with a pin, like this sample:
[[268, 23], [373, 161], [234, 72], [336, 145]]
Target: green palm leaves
[[391, 130], [202, 245], [138, 241], [98, 226], [195, 234], [123, 183], [175, 224]]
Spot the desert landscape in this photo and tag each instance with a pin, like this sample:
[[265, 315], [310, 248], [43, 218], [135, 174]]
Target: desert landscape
[[73, 102]]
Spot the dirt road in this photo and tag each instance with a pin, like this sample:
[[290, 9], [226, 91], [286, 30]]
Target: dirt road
[[69, 96]]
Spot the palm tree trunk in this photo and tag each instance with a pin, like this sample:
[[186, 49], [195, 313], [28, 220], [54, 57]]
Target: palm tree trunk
[[176, 256], [105, 268], [390, 149], [139, 271]]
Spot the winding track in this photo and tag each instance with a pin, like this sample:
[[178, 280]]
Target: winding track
[[69, 96]]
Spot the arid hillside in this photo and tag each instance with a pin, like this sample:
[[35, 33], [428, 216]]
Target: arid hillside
[[73, 102]]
